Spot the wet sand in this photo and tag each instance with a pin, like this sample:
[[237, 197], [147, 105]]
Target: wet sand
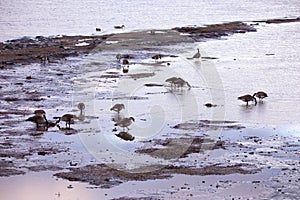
[[184, 148]]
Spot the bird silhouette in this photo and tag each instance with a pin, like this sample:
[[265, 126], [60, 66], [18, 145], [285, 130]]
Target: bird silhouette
[[39, 120], [261, 95], [197, 55], [125, 122], [68, 118], [117, 107], [119, 27], [246, 98], [177, 82]]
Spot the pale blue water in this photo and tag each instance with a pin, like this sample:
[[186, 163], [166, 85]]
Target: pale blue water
[[69, 17], [242, 64]]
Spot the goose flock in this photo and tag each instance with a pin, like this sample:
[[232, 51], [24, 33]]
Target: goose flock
[[41, 121], [248, 97], [123, 122]]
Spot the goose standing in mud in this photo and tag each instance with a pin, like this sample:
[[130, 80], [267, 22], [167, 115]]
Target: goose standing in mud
[[125, 122], [44, 59], [124, 56], [157, 57], [119, 27], [39, 120], [125, 63], [52, 124], [68, 118], [171, 80], [117, 107], [261, 95], [197, 55], [118, 57], [246, 98], [125, 69], [40, 112], [177, 82], [180, 83]]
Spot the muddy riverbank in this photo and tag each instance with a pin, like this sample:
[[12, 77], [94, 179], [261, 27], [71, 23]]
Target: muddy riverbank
[[174, 134], [26, 50]]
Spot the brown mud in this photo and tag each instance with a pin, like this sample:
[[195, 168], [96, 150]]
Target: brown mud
[[106, 177], [24, 148]]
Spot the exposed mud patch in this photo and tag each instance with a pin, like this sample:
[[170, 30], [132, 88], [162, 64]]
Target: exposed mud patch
[[196, 125], [141, 75], [9, 169], [280, 21], [106, 177], [27, 50], [170, 148], [48, 85], [216, 31]]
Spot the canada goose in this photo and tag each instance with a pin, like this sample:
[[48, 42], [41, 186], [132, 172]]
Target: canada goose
[[197, 55], [261, 95], [44, 59], [246, 98], [125, 69], [119, 27], [125, 122], [152, 32], [52, 124], [118, 56], [117, 107], [125, 136], [40, 112], [156, 57], [209, 105], [125, 62], [171, 80], [180, 82], [68, 118], [39, 120]]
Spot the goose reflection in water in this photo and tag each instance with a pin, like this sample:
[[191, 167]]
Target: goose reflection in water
[[81, 107]]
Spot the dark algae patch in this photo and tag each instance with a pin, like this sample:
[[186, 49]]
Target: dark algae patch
[[216, 31], [107, 177]]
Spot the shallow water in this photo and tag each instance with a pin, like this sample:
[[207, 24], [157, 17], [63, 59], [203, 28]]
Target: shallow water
[[180, 186], [32, 17], [265, 60]]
